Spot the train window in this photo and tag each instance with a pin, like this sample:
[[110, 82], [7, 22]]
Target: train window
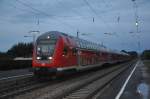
[[90, 46], [74, 51], [68, 40], [84, 44], [81, 44], [94, 47], [45, 48], [65, 50]]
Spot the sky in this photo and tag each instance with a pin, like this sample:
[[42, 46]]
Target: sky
[[113, 25]]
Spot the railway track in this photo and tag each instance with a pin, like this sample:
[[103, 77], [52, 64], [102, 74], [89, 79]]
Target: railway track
[[16, 85], [84, 87], [88, 91], [10, 82], [77, 87]]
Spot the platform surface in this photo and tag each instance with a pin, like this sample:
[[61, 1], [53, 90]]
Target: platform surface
[[138, 86]]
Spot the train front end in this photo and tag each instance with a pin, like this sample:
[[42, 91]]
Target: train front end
[[44, 54]]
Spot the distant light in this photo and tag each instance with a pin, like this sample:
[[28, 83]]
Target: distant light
[[136, 24], [48, 37]]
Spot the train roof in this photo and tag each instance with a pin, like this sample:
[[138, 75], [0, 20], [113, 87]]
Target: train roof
[[82, 43], [52, 34]]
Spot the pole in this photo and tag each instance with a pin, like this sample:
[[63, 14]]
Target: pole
[[137, 24], [34, 36], [78, 52]]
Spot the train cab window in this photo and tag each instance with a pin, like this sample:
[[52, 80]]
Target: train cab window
[[45, 48]]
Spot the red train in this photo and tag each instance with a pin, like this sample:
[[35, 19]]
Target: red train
[[56, 51]]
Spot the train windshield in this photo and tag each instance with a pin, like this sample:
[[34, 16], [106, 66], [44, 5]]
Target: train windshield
[[45, 48]]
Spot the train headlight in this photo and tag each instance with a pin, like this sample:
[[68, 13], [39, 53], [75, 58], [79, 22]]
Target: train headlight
[[38, 58], [49, 57]]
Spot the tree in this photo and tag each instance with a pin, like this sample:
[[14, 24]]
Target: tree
[[21, 50], [133, 54], [146, 54], [4, 56]]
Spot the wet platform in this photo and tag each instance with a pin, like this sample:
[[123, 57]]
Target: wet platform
[[138, 86], [134, 83]]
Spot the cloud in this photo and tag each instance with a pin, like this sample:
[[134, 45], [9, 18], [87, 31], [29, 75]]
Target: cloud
[[20, 16]]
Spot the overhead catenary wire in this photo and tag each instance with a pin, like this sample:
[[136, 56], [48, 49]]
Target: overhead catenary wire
[[79, 15], [60, 2], [21, 9], [38, 11], [7, 19], [44, 13], [93, 11], [53, 16]]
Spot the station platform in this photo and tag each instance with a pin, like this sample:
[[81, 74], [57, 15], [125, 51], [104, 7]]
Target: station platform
[[138, 86], [134, 83]]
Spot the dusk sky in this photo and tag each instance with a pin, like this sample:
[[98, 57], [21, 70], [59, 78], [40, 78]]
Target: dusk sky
[[113, 25]]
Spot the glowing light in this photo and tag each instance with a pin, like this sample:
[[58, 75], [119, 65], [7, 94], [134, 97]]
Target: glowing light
[[136, 24], [49, 57], [38, 58]]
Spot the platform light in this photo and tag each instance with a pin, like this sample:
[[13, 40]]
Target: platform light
[[48, 37]]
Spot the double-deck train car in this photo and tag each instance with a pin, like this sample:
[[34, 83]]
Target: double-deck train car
[[56, 51]]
